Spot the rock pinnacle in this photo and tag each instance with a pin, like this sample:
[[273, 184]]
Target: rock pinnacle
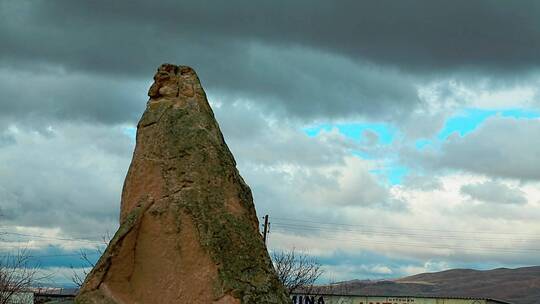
[[188, 228]]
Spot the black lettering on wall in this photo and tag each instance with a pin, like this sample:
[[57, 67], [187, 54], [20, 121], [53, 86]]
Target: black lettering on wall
[[297, 299]]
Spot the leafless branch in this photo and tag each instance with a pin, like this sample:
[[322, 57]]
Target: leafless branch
[[77, 277], [17, 275], [297, 271]]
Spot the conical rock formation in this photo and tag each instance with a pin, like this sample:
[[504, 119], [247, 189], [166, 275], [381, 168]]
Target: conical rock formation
[[188, 229]]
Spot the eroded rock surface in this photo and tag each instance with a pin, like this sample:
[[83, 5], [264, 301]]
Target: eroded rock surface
[[188, 229]]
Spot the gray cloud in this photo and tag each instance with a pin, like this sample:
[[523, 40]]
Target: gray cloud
[[494, 192], [68, 177], [414, 34], [422, 182], [307, 59], [295, 82], [516, 213], [310, 83], [6, 138], [318, 193], [262, 140], [38, 96], [501, 147]]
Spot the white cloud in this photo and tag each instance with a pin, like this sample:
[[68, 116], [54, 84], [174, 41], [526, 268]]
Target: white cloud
[[66, 176], [428, 266]]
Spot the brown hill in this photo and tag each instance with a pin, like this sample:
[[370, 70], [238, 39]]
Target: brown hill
[[520, 286]]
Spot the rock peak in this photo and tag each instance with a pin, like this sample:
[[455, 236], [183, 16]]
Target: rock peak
[[174, 81]]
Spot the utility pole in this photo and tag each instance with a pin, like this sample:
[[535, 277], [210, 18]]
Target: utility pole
[[265, 229]]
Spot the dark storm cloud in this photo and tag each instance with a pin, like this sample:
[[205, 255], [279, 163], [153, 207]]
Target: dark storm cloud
[[298, 81], [6, 139], [311, 59], [412, 34], [308, 83], [36, 96]]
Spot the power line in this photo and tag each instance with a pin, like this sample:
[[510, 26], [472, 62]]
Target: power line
[[286, 225], [423, 245], [63, 255], [51, 237], [392, 234], [53, 255], [402, 228]]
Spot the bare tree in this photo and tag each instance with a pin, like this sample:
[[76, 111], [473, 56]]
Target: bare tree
[[77, 277], [17, 275], [297, 271]]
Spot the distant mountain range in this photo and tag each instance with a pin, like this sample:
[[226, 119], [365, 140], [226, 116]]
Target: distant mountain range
[[519, 286]]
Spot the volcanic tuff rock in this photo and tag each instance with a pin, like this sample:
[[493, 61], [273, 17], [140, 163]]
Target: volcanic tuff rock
[[188, 229]]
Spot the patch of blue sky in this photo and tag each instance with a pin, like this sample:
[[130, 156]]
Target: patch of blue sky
[[131, 132], [520, 113], [385, 132], [465, 122], [56, 256], [471, 118], [392, 174], [423, 143], [314, 131]]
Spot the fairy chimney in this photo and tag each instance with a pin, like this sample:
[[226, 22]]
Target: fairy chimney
[[188, 228]]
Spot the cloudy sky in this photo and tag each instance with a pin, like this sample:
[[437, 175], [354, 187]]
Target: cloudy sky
[[385, 138]]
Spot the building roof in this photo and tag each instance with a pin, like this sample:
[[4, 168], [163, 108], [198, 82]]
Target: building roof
[[406, 296]]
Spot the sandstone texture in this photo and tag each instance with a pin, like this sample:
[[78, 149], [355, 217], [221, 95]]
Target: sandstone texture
[[188, 229]]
